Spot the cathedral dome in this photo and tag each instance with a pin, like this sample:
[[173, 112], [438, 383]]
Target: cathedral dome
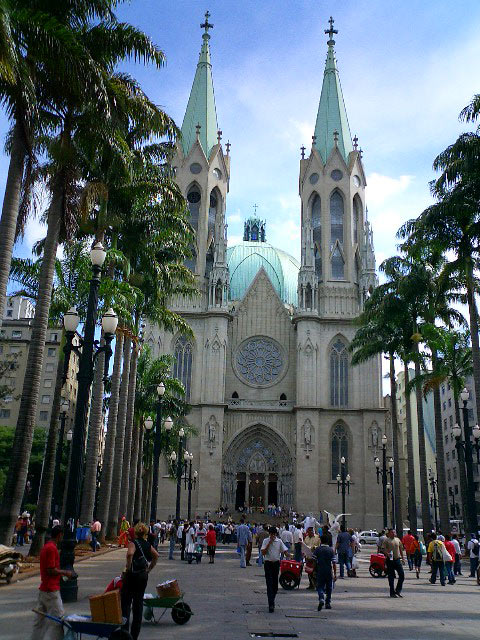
[[246, 259]]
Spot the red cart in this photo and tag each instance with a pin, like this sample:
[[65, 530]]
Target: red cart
[[377, 565], [290, 574]]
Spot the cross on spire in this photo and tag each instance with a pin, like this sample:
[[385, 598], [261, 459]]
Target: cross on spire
[[331, 31], [335, 138], [302, 149], [197, 128], [228, 145], [206, 25], [355, 143], [255, 207], [219, 136], [314, 139]]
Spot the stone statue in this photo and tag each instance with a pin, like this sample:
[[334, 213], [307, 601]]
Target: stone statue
[[334, 525], [307, 432], [375, 435], [212, 429]]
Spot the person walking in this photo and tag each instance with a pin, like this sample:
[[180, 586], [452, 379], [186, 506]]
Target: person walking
[[287, 537], [297, 542], [200, 541], [449, 546], [141, 558], [95, 529], [393, 550], [416, 555], [473, 548], [312, 541], [343, 547], [172, 538], [211, 540], [244, 536], [49, 598], [190, 535], [272, 549], [457, 565], [435, 559], [261, 535], [408, 541], [326, 569], [123, 534]]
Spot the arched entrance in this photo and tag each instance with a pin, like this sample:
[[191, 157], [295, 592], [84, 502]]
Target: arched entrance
[[257, 470]]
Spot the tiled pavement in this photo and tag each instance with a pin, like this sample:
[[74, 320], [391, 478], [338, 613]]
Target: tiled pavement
[[229, 603]]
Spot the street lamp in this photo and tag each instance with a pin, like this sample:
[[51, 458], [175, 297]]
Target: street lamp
[[343, 483], [465, 461], [190, 480], [433, 499], [453, 507], [65, 405], [157, 448], [179, 459], [383, 473], [87, 356], [391, 465]]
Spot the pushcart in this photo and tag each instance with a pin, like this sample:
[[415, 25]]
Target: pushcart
[[377, 566], [80, 626], [181, 612], [290, 574]]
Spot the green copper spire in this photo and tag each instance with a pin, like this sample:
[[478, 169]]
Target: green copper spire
[[332, 115], [201, 104]]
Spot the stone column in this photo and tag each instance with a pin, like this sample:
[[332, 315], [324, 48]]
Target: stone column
[[247, 489]]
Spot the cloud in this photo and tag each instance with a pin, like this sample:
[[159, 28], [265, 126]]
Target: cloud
[[381, 188], [233, 218]]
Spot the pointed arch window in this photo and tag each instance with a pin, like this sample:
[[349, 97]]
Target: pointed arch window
[[182, 366], [338, 374], [254, 233], [338, 264], [336, 218], [194, 199], [317, 234], [318, 261], [339, 449], [357, 218]]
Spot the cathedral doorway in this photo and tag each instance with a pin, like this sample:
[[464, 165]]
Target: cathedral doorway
[[257, 470]]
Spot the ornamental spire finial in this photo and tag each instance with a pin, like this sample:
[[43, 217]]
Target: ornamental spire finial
[[331, 32], [206, 25]]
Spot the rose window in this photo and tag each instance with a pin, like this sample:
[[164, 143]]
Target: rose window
[[259, 361]]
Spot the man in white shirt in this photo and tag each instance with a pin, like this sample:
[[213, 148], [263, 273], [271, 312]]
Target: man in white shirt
[[286, 537], [272, 550], [474, 548], [457, 564], [297, 542]]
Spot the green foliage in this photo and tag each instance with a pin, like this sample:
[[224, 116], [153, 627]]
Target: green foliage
[[36, 458], [8, 364]]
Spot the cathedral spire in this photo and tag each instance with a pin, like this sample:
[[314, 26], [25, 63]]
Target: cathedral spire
[[332, 115], [201, 109]]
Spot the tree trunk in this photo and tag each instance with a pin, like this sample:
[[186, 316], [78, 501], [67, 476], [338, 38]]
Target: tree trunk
[[114, 515], [412, 494], [107, 466], [22, 444], [44, 507], [462, 473], [422, 455], [396, 455], [93, 445], [442, 490], [473, 312], [137, 510], [11, 204], [127, 497], [132, 480]]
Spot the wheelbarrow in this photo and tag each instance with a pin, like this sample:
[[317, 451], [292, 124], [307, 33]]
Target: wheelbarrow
[[180, 610], [80, 625]]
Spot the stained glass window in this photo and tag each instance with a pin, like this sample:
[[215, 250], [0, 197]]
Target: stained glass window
[[317, 234], [336, 218], [182, 367], [339, 445], [338, 265], [339, 375]]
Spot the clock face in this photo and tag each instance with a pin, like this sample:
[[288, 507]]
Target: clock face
[[195, 167], [336, 175], [217, 173], [313, 178], [356, 181]]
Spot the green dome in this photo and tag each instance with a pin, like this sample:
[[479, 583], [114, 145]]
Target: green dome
[[245, 260]]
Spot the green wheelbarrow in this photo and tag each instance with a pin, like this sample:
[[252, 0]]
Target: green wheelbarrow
[[180, 610]]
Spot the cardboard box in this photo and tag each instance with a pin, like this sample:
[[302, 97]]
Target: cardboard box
[[106, 607], [169, 589]]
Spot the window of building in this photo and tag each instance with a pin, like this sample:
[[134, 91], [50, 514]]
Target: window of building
[[444, 405], [16, 335], [336, 218], [451, 437], [182, 367], [445, 423], [283, 396], [8, 398], [49, 367], [317, 234], [54, 337], [448, 386], [9, 313], [339, 375], [450, 420], [45, 399], [449, 402], [455, 473], [453, 454], [339, 448], [51, 351], [456, 489], [449, 475], [4, 413], [443, 389], [15, 349], [338, 265], [47, 383], [234, 394], [43, 416], [447, 456], [446, 439]]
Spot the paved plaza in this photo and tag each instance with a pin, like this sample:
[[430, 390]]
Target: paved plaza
[[229, 603]]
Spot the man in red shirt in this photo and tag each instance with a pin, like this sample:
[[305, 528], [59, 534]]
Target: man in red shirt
[[49, 599], [449, 565], [408, 542]]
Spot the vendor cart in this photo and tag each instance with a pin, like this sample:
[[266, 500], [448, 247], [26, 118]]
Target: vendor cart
[[79, 626], [181, 612]]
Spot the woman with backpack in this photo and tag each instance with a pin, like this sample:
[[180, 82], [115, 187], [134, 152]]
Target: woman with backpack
[[416, 554], [141, 558]]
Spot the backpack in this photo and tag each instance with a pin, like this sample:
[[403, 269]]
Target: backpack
[[476, 548], [437, 554], [139, 563]]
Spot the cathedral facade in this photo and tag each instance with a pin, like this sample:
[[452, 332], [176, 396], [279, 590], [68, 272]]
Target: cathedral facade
[[275, 401]]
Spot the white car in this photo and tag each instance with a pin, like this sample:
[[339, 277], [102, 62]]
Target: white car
[[368, 537]]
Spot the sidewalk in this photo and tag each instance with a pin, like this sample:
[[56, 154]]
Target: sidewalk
[[229, 603]]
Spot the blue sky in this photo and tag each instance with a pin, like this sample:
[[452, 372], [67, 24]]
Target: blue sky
[[407, 69]]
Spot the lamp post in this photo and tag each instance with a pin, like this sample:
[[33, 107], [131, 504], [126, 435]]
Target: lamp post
[[465, 461], [383, 473], [453, 507], [157, 447], [190, 480], [433, 500], [343, 483], [87, 355], [179, 459], [58, 460]]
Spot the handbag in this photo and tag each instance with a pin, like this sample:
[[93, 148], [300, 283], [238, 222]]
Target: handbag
[[190, 547], [446, 556], [139, 565], [423, 549]]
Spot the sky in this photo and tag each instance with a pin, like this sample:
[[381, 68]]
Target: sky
[[407, 69]]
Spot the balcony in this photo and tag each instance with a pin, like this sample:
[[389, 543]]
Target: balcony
[[260, 405]]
